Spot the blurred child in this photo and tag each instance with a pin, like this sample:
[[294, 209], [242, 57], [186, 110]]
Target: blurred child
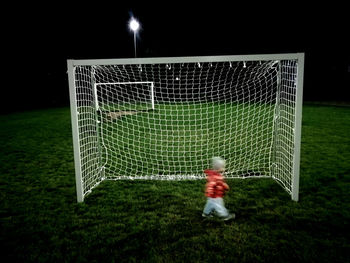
[[215, 190]]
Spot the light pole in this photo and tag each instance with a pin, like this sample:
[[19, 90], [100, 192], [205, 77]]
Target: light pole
[[134, 26]]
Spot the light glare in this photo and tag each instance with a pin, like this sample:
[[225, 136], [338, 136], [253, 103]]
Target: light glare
[[134, 24]]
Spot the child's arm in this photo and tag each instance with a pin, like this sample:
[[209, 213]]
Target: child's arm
[[222, 186], [209, 188]]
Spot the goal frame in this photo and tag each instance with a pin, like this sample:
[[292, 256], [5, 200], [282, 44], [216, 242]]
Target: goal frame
[[125, 83], [299, 57]]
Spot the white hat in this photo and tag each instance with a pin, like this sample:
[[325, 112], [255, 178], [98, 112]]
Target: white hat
[[218, 163]]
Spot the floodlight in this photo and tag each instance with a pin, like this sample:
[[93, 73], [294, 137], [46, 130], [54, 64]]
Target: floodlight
[[134, 25]]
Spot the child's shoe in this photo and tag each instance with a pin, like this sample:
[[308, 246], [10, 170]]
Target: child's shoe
[[207, 215], [229, 217]]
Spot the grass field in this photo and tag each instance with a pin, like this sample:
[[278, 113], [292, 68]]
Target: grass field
[[180, 139], [160, 221]]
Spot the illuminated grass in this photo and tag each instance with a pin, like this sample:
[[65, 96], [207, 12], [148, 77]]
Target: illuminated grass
[[181, 139], [160, 221]]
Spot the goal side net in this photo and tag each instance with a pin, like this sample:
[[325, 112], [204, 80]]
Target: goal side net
[[165, 118]]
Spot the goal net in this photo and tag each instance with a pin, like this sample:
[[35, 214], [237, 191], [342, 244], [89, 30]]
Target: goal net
[[165, 118]]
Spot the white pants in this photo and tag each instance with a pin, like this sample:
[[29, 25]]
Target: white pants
[[217, 205]]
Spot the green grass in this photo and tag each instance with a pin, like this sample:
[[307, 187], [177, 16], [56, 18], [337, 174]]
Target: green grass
[[181, 139], [159, 221]]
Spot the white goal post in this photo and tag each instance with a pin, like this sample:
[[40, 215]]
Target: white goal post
[[164, 118]]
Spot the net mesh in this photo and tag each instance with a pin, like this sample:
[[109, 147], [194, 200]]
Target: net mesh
[[166, 121]]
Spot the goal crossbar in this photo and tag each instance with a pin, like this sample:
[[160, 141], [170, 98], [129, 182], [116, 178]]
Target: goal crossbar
[[165, 60]]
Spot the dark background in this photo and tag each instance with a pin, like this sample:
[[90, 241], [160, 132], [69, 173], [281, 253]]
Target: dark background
[[38, 39]]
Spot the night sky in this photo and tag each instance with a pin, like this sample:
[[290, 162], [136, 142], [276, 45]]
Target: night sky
[[38, 39]]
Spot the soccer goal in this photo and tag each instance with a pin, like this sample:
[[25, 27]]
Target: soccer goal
[[165, 118]]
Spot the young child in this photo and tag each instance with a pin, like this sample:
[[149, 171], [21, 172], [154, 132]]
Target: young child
[[215, 190]]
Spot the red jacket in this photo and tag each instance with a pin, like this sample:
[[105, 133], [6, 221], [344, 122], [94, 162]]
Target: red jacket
[[216, 186]]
